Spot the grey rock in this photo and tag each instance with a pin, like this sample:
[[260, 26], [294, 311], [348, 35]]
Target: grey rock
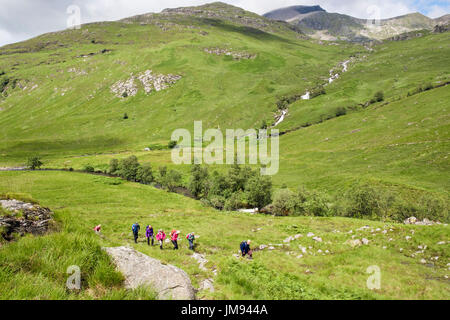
[[138, 269]]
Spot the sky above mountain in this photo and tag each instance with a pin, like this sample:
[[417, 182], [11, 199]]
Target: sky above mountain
[[23, 19]]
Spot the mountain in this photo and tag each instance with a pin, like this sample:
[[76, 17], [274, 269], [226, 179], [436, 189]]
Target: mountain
[[367, 150], [443, 20], [320, 24]]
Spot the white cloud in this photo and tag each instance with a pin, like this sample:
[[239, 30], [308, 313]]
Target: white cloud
[[437, 12]]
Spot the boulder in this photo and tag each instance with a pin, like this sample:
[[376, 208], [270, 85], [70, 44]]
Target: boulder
[[138, 269], [354, 243]]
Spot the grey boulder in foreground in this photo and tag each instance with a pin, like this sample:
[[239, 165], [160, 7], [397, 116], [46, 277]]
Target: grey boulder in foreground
[[139, 269]]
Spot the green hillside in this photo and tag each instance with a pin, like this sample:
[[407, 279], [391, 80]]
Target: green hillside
[[378, 134], [82, 201], [66, 105]]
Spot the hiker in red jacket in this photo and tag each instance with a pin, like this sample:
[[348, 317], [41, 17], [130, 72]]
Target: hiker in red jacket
[[174, 237], [161, 236], [98, 228]]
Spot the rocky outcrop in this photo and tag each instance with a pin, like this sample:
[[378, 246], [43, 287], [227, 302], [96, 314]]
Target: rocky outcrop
[[22, 218], [138, 269], [157, 82], [149, 80], [124, 89], [227, 52], [424, 222], [441, 28]]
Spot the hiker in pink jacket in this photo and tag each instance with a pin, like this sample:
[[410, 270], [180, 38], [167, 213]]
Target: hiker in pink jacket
[[161, 236], [174, 237]]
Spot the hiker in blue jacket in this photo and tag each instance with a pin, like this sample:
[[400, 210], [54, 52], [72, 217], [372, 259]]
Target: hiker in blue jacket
[[135, 228], [245, 249]]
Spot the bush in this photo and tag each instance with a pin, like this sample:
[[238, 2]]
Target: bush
[[145, 174], [284, 203], [198, 181], [113, 166], [317, 205], [341, 111], [264, 125], [259, 191], [364, 201], [3, 83], [34, 163], [172, 144], [218, 185], [89, 169], [320, 90], [235, 202], [378, 97], [128, 168], [217, 202], [171, 180]]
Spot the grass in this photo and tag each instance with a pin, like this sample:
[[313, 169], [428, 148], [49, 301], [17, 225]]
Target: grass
[[73, 120], [82, 201]]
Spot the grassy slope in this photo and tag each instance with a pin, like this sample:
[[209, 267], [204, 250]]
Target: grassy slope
[[88, 117], [81, 201]]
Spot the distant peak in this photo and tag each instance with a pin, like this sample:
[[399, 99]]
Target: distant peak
[[293, 11]]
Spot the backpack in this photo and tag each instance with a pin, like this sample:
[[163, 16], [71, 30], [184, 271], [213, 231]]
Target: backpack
[[134, 228]]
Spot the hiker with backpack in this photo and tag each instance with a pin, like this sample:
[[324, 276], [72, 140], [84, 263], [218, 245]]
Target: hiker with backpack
[[174, 237], [135, 229], [191, 237], [150, 235], [245, 249], [161, 236], [98, 229]]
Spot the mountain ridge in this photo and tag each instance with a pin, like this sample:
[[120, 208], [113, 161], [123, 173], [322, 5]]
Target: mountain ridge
[[323, 25]]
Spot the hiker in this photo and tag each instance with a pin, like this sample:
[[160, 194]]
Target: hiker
[[135, 228], [161, 236], [191, 237], [174, 237], [149, 234], [245, 249], [98, 228]]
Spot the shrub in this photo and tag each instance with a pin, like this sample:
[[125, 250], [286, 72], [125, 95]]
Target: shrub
[[218, 185], [3, 83], [378, 97], [162, 171], [171, 180], [320, 90], [172, 144], [284, 203], [259, 191], [317, 205], [264, 125], [364, 201], [235, 202], [113, 166], [145, 174], [198, 181], [128, 168], [341, 111], [34, 163], [89, 169], [217, 202]]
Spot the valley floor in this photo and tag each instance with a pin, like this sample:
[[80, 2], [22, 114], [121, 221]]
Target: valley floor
[[412, 260]]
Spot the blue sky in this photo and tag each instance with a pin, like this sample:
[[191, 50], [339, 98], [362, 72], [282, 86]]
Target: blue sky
[[23, 19]]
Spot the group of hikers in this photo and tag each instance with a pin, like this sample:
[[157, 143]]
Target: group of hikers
[[161, 236]]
